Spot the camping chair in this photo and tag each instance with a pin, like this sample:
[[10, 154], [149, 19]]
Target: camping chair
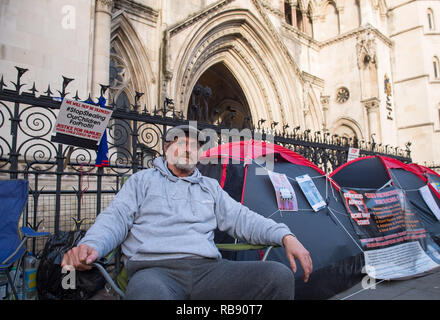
[[13, 196], [119, 284]]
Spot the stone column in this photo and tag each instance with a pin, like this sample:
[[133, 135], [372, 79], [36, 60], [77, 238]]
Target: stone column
[[373, 114], [325, 101], [303, 20], [101, 46], [293, 11]]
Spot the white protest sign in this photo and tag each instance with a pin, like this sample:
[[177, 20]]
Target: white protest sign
[[429, 200], [400, 261], [353, 153], [82, 120]]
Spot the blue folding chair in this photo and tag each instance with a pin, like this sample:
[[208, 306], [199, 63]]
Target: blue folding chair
[[13, 198]]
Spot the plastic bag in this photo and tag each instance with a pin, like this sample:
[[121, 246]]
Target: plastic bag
[[50, 275]]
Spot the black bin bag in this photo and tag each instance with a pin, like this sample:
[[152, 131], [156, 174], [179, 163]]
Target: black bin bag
[[50, 274]]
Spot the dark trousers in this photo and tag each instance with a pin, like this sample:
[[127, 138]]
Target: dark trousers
[[209, 279]]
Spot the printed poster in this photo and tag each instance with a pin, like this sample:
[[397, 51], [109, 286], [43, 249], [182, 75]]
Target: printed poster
[[311, 192], [395, 242], [286, 197], [81, 124]]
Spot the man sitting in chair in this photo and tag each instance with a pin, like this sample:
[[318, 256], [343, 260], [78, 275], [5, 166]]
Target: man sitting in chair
[[165, 218]]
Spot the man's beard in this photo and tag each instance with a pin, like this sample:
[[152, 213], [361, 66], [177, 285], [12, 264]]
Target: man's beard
[[185, 167], [185, 164]]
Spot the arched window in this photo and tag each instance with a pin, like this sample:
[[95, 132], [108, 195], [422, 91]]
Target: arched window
[[436, 66], [430, 16], [332, 25], [288, 12], [299, 18]]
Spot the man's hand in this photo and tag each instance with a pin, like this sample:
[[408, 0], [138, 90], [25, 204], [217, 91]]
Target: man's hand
[[295, 250], [80, 257]]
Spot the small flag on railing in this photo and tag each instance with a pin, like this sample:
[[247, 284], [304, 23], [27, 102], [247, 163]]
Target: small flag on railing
[[102, 155]]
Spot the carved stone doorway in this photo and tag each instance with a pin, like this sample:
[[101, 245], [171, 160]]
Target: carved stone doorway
[[217, 98]]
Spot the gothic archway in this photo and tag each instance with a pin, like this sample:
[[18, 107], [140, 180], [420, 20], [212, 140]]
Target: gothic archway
[[217, 98]]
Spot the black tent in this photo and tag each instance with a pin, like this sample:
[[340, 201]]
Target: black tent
[[327, 234], [432, 176], [374, 172]]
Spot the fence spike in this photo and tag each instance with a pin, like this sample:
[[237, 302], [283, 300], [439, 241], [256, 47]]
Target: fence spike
[[76, 97], [66, 82], [20, 73], [48, 92], [33, 90], [2, 84]]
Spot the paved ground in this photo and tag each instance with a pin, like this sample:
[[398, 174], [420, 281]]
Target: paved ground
[[426, 287]]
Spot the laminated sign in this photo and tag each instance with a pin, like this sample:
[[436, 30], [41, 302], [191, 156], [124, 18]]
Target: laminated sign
[[395, 242], [311, 192], [353, 153], [80, 124], [286, 198]]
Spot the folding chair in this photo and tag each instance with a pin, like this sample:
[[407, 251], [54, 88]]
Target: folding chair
[[13, 197]]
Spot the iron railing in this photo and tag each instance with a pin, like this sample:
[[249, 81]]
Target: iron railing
[[65, 184]]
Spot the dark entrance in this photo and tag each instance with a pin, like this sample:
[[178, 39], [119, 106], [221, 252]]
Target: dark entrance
[[227, 103]]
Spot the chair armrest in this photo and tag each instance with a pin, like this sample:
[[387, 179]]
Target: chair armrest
[[30, 233], [109, 279], [241, 246], [245, 247]]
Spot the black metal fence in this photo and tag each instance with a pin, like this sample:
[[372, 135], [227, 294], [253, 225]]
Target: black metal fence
[[64, 183]]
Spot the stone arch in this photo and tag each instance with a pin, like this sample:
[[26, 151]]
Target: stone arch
[[129, 48], [241, 41], [347, 127], [330, 25]]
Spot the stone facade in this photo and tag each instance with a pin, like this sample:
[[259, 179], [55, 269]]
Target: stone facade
[[362, 69]]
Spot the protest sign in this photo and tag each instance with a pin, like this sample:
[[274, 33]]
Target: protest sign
[[286, 197], [311, 192], [80, 124], [353, 153], [395, 242]]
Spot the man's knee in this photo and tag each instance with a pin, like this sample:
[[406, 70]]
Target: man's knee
[[281, 279], [149, 285]]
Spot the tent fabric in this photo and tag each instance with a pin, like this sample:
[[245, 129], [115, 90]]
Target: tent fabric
[[327, 234], [253, 149], [376, 172], [426, 172]]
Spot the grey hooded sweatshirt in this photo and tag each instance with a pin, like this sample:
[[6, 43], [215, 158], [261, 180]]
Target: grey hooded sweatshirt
[[157, 215]]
